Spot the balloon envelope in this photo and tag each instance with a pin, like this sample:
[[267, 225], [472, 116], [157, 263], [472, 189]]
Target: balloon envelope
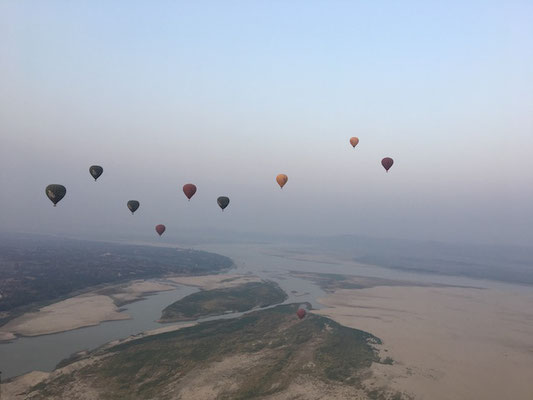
[[353, 141], [301, 313], [133, 205], [387, 163], [223, 202], [96, 171], [55, 193], [160, 229], [189, 189], [282, 180]]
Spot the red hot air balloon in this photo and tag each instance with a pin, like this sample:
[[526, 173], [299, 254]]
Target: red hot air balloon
[[353, 141], [301, 313], [160, 229], [189, 189], [387, 163]]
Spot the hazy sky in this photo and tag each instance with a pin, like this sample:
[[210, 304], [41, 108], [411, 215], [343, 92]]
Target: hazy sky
[[227, 94]]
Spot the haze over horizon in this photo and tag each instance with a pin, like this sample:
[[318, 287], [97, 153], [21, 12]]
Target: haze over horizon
[[229, 94]]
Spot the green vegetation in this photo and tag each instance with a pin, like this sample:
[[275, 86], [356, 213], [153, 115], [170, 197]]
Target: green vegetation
[[262, 353], [36, 270], [219, 301]]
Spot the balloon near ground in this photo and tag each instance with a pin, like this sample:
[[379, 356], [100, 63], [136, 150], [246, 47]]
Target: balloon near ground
[[223, 202], [387, 163], [160, 229], [353, 141], [282, 180], [55, 193], [96, 171], [301, 313], [133, 205], [189, 189]]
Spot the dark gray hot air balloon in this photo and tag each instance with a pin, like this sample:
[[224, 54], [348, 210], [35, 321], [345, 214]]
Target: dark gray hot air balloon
[[96, 171], [133, 205], [55, 193], [223, 202]]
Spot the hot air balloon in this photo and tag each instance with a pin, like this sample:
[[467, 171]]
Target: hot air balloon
[[96, 171], [160, 229], [55, 193], [353, 141], [282, 180], [189, 189], [223, 202], [387, 163], [133, 205], [301, 313]]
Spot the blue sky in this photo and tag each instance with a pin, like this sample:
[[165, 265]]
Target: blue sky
[[227, 94]]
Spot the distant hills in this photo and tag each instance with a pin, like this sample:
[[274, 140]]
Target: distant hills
[[512, 264]]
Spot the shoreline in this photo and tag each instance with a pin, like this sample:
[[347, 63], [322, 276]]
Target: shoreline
[[105, 304], [206, 282], [88, 309], [19, 385]]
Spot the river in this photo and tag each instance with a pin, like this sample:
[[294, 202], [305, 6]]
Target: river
[[267, 261]]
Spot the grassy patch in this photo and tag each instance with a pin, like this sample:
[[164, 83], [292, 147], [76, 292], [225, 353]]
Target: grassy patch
[[219, 301], [284, 347]]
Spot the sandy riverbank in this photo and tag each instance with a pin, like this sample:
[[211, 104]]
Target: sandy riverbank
[[73, 313], [164, 329], [80, 311], [209, 282], [137, 290], [448, 343], [103, 304]]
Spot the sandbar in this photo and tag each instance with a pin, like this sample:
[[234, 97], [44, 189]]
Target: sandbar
[[81, 311], [73, 313]]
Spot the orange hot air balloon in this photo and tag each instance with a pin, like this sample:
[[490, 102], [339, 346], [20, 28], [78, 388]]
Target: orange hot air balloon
[[353, 141], [387, 163], [160, 229], [301, 313], [282, 180], [189, 189]]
